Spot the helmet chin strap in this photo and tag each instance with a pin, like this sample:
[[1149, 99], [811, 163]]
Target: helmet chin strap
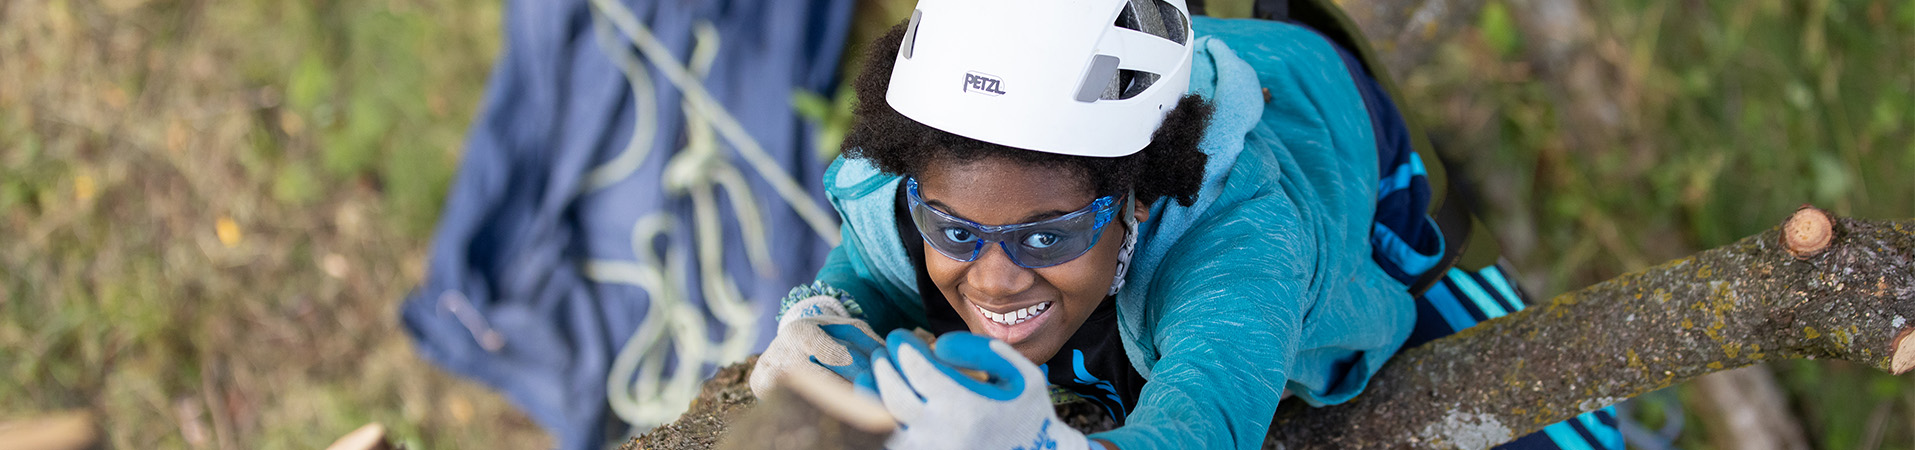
[[1130, 241]]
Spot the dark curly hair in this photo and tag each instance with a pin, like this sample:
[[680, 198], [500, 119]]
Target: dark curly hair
[[1170, 166]]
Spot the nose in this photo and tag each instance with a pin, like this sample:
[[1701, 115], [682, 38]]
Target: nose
[[994, 275]]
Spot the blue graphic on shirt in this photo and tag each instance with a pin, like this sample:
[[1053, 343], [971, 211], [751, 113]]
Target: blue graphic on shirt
[[1113, 404]]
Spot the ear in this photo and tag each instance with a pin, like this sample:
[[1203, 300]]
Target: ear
[[1142, 213]]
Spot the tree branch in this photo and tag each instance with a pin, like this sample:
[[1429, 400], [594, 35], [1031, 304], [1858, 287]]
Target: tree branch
[[810, 413], [1817, 287]]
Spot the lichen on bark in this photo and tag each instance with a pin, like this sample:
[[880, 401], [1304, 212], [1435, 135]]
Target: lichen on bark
[[1758, 299]]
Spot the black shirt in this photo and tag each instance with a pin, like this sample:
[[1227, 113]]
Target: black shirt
[[1091, 363]]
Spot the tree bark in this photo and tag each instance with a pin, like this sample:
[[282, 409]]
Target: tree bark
[[1817, 287], [807, 413]]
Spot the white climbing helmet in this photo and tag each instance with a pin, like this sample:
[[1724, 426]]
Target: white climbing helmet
[[1073, 77]]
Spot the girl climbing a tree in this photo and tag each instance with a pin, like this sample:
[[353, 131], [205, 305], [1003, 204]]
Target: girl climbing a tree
[[1170, 216]]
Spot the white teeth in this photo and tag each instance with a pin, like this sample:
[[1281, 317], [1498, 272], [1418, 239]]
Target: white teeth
[[1014, 317]]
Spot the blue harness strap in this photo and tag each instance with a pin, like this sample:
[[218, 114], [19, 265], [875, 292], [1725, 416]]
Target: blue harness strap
[[1407, 243], [1462, 299]]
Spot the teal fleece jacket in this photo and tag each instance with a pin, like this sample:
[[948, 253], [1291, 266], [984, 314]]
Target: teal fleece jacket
[[1265, 285]]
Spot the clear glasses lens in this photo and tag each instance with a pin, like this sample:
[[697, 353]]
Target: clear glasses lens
[[1031, 245]]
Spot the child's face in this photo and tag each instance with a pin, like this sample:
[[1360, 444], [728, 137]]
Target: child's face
[[1000, 192]]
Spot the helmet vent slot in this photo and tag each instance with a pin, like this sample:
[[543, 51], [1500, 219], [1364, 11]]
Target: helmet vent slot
[[1127, 18], [1088, 78], [1152, 17], [1134, 82], [1155, 17], [1174, 21]]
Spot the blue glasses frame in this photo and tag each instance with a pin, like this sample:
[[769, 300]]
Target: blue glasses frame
[[1067, 233]]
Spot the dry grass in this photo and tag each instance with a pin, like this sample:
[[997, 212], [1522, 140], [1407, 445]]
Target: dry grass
[[212, 209]]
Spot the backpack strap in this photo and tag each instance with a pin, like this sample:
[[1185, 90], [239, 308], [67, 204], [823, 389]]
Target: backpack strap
[[1467, 241], [1278, 10]]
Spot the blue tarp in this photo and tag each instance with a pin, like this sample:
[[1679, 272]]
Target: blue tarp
[[508, 299]]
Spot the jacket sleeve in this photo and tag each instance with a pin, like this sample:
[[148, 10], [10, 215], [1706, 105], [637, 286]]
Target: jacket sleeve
[[1271, 289], [845, 269], [1228, 325], [869, 262]]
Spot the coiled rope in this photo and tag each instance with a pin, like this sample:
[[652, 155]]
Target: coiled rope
[[638, 388]]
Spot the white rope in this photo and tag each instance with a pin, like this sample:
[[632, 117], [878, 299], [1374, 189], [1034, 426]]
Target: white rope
[[695, 94], [645, 103], [638, 389], [643, 400]]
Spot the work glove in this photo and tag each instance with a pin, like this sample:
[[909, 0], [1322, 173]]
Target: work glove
[[939, 408], [816, 334]]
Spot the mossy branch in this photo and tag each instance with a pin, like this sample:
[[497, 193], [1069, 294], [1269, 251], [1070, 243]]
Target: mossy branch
[[1816, 287]]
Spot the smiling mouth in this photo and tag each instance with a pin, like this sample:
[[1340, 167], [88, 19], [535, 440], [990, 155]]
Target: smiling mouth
[[1014, 317]]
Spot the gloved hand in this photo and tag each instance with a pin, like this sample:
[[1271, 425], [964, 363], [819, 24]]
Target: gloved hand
[[816, 334], [940, 408]]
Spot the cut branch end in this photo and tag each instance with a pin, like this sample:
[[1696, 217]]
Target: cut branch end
[[1904, 351], [1808, 232]]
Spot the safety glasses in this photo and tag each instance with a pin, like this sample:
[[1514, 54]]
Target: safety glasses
[[1031, 245]]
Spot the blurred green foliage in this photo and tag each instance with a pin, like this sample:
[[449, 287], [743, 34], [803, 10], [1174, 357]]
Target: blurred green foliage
[[1849, 406], [1733, 114], [209, 211]]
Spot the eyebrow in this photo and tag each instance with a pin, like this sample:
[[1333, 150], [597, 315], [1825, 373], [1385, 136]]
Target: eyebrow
[[1027, 219]]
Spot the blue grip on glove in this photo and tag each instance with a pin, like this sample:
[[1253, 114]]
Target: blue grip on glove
[[859, 344], [969, 351], [940, 407]]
